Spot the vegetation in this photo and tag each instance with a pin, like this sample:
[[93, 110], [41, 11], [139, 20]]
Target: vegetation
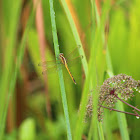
[[98, 98]]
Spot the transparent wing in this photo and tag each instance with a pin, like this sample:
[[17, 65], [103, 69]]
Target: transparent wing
[[74, 61], [50, 70], [45, 63], [74, 53], [48, 64]]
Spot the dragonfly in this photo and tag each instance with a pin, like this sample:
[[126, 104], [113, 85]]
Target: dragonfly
[[62, 60]]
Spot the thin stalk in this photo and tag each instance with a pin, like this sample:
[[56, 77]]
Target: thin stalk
[[122, 122], [93, 126], [98, 43], [126, 103], [112, 109], [101, 134], [60, 73], [80, 122]]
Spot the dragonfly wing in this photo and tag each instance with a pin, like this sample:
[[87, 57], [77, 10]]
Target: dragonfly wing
[[49, 64], [74, 53], [50, 70], [76, 60], [45, 63]]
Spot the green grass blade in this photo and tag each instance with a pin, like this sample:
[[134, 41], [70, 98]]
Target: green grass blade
[[75, 34], [9, 59], [122, 121], [97, 44], [101, 134], [14, 75], [121, 117], [93, 126], [61, 79], [80, 121]]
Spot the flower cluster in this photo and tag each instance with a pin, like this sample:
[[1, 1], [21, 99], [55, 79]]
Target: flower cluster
[[118, 87], [89, 110], [122, 85]]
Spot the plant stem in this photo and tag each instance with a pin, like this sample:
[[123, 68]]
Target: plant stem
[[126, 103], [61, 80], [120, 111]]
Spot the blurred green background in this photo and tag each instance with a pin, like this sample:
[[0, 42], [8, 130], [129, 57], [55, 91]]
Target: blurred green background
[[30, 104]]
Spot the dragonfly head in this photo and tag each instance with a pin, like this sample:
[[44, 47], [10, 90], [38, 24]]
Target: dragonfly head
[[61, 55]]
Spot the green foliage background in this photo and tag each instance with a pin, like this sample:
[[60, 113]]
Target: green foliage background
[[111, 51]]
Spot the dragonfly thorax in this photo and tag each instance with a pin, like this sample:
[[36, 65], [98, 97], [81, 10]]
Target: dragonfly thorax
[[61, 55], [62, 58]]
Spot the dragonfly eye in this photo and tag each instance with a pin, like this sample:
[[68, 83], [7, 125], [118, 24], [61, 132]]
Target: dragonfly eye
[[61, 54]]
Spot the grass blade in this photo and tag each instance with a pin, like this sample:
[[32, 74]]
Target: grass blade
[[14, 75], [9, 59], [122, 121], [76, 35], [61, 79]]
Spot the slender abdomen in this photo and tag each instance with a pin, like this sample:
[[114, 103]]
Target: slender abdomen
[[64, 61], [70, 73]]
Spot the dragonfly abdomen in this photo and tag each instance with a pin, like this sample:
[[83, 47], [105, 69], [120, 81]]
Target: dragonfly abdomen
[[64, 61], [70, 73]]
